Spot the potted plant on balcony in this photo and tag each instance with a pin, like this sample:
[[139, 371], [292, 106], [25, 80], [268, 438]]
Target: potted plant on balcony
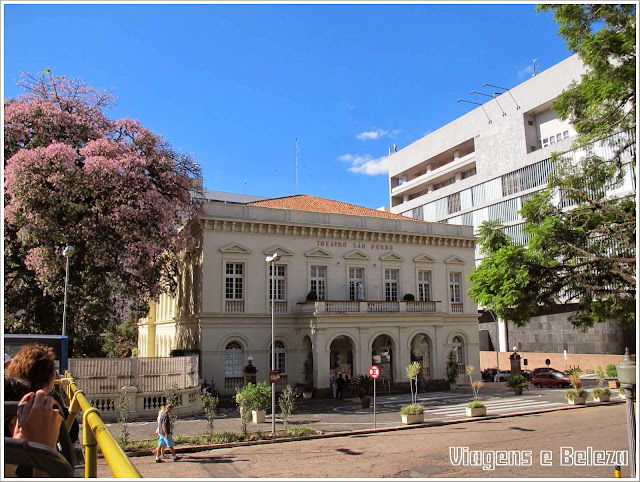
[[307, 373], [363, 385], [612, 375], [312, 296], [517, 383], [409, 297], [451, 368], [575, 395], [412, 413], [475, 408]]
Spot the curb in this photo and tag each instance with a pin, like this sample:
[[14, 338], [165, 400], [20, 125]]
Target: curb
[[203, 448]]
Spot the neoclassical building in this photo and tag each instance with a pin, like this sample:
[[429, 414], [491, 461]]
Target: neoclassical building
[[352, 287]]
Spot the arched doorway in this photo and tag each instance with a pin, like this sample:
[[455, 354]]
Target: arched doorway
[[341, 356], [421, 352], [382, 355]]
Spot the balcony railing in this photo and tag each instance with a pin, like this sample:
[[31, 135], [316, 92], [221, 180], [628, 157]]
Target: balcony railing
[[457, 308], [234, 306], [279, 307], [347, 306]]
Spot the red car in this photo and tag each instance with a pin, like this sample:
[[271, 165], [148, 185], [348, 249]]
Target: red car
[[550, 380]]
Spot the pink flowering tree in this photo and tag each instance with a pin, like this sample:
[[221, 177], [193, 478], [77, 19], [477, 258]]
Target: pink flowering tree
[[114, 190]]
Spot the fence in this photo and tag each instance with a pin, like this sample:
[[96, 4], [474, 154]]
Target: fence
[[145, 379]]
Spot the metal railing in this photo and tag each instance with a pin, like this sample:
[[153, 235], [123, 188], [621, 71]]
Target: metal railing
[[94, 434]]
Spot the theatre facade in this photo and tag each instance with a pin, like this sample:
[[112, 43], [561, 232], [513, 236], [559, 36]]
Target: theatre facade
[[352, 287]]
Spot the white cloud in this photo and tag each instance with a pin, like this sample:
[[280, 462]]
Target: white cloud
[[369, 135], [367, 165]]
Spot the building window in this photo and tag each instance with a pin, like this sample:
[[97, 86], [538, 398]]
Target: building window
[[424, 285], [319, 280], [453, 202], [455, 291], [280, 282], [233, 359], [281, 358], [469, 173], [356, 284], [234, 282], [444, 183], [391, 284]]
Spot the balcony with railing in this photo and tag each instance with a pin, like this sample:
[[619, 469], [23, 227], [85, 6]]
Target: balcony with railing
[[457, 308], [340, 307]]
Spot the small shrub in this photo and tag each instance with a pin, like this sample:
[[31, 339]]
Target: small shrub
[[312, 296], [452, 367], [599, 391], [475, 404], [409, 297], [574, 393], [287, 402], [209, 404], [612, 371], [600, 375], [517, 381], [412, 409], [299, 431], [124, 410], [172, 398]]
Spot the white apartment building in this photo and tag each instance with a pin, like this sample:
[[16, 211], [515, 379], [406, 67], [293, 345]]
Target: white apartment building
[[359, 262], [487, 163]]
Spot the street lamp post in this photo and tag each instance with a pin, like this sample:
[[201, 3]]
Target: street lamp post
[[626, 369], [272, 259], [67, 253]]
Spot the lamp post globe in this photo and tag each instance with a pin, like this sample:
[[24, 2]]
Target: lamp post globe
[[67, 253], [272, 259]]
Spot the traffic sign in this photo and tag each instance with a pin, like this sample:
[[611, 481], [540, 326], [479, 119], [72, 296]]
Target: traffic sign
[[274, 376], [374, 371]]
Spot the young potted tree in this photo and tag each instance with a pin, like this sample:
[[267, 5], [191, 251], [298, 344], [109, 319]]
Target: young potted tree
[[600, 393], [612, 376], [256, 398], [517, 383], [307, 373], [451, 368], [475, 408], [575, 395]]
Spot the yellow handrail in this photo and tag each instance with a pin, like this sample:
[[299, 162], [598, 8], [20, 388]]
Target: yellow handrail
[[96, 433]]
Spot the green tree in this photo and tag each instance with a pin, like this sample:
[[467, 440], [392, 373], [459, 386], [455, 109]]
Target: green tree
[[581, 246], [120, 341]]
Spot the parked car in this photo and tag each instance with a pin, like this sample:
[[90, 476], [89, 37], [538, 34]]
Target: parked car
[[502, 376], [550, 379], [537, 371], [488, 374], [527, 374]]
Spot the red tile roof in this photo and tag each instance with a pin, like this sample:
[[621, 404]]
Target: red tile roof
[[304, 202]]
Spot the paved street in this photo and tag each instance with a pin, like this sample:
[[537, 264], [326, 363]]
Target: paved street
[[418, 452], [328, 415]]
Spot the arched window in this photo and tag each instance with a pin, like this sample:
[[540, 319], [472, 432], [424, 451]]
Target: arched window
[[281, 358], [233, 359], [421, 352], [458, 348]]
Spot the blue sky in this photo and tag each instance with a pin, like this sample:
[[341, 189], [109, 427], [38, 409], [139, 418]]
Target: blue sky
[[236, 84]]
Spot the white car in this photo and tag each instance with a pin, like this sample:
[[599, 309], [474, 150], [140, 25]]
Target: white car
[[502, 376]]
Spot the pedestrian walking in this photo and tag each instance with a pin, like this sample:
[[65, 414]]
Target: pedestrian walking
[[165, 439], [334, 384], [340, 385]]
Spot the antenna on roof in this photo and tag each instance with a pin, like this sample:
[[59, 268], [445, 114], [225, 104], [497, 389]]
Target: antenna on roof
[[296, 165], [534, 67]]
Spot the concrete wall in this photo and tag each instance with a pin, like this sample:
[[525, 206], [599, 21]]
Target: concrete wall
[[586, 361], [554, 333]]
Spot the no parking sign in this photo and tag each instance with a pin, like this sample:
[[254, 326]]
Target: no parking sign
[[374, 371]]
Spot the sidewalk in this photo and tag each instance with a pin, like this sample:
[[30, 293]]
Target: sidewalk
[[335, 416]]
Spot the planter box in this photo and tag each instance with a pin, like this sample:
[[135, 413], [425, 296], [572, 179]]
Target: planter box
[[307, 394], [409, 419], [613, 384], [258, 416], [578, 401], [602, 398], [517, 390], [476, 412], [453, 386]]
